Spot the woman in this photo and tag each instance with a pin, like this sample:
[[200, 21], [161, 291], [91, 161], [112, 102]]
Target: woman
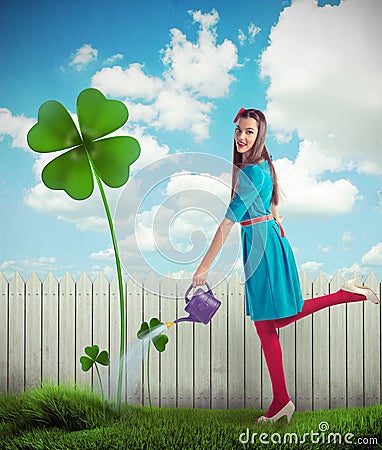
[[273, 294]]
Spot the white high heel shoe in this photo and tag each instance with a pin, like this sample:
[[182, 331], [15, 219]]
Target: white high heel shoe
[[351, 286], [287, 410]]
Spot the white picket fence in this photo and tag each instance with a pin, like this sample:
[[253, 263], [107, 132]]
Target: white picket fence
[[332, 359]]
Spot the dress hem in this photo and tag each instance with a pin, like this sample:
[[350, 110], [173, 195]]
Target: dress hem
[[278, 317]]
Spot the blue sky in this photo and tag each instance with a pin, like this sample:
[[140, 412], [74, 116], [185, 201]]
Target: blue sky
[[184, 68]]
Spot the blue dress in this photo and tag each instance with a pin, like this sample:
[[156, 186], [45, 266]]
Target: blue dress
[[272, 285]]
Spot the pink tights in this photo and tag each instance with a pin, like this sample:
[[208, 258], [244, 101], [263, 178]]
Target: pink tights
[[266, 330]]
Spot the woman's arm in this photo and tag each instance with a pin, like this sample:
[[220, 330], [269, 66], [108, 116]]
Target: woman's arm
[[275, 213], [200, 276]]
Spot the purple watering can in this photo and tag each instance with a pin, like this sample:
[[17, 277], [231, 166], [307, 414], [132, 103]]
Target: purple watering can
[[201, 307]]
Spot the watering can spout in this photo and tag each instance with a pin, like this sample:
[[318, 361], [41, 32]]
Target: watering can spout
[[169, 324]]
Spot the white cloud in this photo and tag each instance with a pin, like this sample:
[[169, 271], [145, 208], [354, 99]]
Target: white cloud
[[103, 255], [306, 194], [8, 263], [146, 237], [347, 240], [324, 66], [203, 67], [186, 182], [348, 272], [16, 127], [378, 206], [252, 31], [41, 265], [84, 56], [151, 149], [109, 272], [139, 112], [173, 223], [311, 266], [181, 111], [193, 74], [86, 214], [181, 274], [191, 203], [129, 83], [374, 256], [113, 58], [241, 37], [323, 249]]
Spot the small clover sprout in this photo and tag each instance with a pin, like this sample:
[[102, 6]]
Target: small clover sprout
[[153, 332], [93, 357], [159, 340]]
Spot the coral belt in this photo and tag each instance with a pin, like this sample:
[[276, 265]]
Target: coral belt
[[262, 219]]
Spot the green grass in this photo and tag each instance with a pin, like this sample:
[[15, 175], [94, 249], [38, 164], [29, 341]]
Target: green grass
[[55, 417]]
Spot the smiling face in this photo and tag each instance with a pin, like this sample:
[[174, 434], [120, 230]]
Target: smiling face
[[245, 134]]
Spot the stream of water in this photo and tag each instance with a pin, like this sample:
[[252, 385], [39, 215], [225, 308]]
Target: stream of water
[[132, 364]]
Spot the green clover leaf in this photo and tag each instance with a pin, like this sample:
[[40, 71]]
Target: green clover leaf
[[110, 157], [159, 340], [86, 363], [103, 358], [154, 323], [93, 356], [143, 331]]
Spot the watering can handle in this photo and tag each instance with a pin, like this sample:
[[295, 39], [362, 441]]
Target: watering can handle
[[189, 289]]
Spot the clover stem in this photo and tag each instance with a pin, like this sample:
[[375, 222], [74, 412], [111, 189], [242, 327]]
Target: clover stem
[[100, 382], [148, 376], [120, 281]]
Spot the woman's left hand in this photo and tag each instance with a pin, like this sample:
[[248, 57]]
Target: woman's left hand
[[200, 276]]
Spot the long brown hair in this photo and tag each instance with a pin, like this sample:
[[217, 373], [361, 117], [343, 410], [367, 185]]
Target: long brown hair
[[256, 153]]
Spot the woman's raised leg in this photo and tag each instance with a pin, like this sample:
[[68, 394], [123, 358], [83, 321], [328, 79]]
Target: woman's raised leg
[[349, 293], [273, 356]]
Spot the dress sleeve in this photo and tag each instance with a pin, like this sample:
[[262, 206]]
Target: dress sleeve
[[250, 181]]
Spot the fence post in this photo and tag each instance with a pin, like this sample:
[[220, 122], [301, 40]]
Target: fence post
[[372, 345], [303, 373], [33, 349], [321, 348], [338, 378], [202, 364], [168, 357], [185, 351], [115, 334], [84, 319], [67, 330], [236, 329], [219, 346], [101, 328], [16, 330], [50, 313], [354, 349], [151, 290], [253, 364], [4, 333]]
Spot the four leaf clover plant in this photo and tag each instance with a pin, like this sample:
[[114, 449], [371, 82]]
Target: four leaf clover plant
[[88, 158], [154, 333]]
